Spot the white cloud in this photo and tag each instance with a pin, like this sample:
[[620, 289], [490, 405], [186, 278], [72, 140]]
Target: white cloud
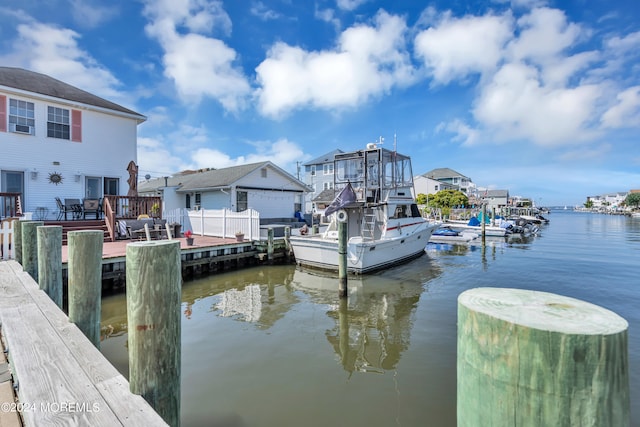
[[199, 65], [368, 61], [349, 4], [456, 47], [283, 153], [260, 10], [626, 112], [91, 14], [515, 105]]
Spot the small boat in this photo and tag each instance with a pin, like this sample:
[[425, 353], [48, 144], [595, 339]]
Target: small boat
[[446, 234], [474, 226], [384, 224]]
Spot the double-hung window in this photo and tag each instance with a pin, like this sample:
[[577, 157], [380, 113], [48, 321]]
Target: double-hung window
[[21, 116], [58, 125]]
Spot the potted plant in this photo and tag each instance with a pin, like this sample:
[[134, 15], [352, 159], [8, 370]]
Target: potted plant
[[189, 236], [155, 210], [239, 236]]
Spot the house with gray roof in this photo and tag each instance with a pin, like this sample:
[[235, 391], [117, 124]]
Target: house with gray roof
[[495, 198], [60, 141], [453, 179], [318, 174], [261, 186]]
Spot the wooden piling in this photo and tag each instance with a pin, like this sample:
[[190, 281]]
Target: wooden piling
[[16, 242], [530, 358], [484, 223], [270, 247], [30, 247], [153, 311], [50, 261], [287, 243], [342, 259], [85, 281], [314, 229]]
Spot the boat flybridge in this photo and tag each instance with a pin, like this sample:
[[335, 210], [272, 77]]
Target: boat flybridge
[[375, 199]]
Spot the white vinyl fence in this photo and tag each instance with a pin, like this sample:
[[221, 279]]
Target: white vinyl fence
[[222, 223], [6, 234]]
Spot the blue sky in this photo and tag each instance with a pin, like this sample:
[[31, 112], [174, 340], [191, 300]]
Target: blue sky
[[538, 97]]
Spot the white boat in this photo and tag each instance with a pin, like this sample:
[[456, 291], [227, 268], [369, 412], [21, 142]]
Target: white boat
[[384, 224], [489, 230], [635, 215]]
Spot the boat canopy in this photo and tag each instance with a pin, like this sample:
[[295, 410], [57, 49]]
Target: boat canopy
[[374, 173]]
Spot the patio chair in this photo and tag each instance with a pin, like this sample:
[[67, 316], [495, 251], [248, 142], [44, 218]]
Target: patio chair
[[74, 206], [62, 209], [90, 206]]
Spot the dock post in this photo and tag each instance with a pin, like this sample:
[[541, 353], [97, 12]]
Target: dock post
[[314, 229], [531, 358], [287, 244], [16, 242], [493, 216], [30, 247], [270, 244], [85, 281], [342, 259], [484, 223], [153, 310], [50, 262]]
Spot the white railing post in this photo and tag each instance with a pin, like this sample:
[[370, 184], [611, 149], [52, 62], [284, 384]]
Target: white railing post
[[224, 222]]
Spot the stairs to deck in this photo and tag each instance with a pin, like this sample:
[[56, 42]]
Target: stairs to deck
[[80, 224]]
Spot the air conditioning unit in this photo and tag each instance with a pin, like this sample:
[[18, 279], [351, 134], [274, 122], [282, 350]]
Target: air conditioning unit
[[21, 129]]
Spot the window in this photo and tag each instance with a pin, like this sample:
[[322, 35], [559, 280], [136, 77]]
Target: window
[[198, 198], [327, 186], [21, 117], [58, 123], [241, 201], [263, 172], [313, 170], [327, 168]]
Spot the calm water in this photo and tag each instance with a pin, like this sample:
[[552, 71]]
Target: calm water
[[273, 346]]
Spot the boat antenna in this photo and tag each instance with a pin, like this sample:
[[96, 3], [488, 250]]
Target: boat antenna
[[395, 148]]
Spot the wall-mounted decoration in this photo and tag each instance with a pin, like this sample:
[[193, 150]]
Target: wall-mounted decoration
[[55, 178]]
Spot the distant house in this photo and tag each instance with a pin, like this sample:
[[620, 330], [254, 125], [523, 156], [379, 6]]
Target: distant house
[[59, 141], [453, 179], [495, 198], [425, 185], [318, 174], [261, 186]]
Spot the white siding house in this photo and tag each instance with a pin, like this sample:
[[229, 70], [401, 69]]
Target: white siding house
[[261, 186], [51, 130]]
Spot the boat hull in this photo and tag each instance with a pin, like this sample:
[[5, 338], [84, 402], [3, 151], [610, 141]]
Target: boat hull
[[363, 256]]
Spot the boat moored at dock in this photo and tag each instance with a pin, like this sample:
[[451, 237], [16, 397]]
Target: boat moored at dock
[[384, 224]]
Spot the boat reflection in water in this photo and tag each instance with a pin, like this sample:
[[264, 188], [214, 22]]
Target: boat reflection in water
[[285, 332], [373, 325]]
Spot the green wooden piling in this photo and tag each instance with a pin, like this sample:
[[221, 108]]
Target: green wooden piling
[[342, 259], [153, 310], [85, 281], [270, 244], [16, 242], [30, 247], [50, 262], [530, 358]]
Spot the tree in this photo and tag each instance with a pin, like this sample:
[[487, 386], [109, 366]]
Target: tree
[[633, 199], [422, 199], [448, 199], [588, 204]]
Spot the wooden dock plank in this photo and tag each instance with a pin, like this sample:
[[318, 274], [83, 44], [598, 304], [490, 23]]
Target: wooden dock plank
[[48, 375], [44, 344]]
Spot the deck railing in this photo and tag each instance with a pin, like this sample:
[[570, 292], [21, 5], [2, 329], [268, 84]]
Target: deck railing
[[126, 207], [10, 205]]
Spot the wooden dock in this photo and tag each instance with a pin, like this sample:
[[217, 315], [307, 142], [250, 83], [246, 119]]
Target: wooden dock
[[59, 376]]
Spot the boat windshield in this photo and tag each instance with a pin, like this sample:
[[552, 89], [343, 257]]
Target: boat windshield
[[397, 170]]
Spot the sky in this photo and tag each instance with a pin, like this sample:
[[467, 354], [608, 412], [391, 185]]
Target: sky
[[541, 98]]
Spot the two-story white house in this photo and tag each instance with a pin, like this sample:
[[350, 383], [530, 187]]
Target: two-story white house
[[60, 141], [318, 174]]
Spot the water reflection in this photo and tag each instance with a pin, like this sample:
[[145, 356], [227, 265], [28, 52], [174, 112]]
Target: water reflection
[[373, 325]]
